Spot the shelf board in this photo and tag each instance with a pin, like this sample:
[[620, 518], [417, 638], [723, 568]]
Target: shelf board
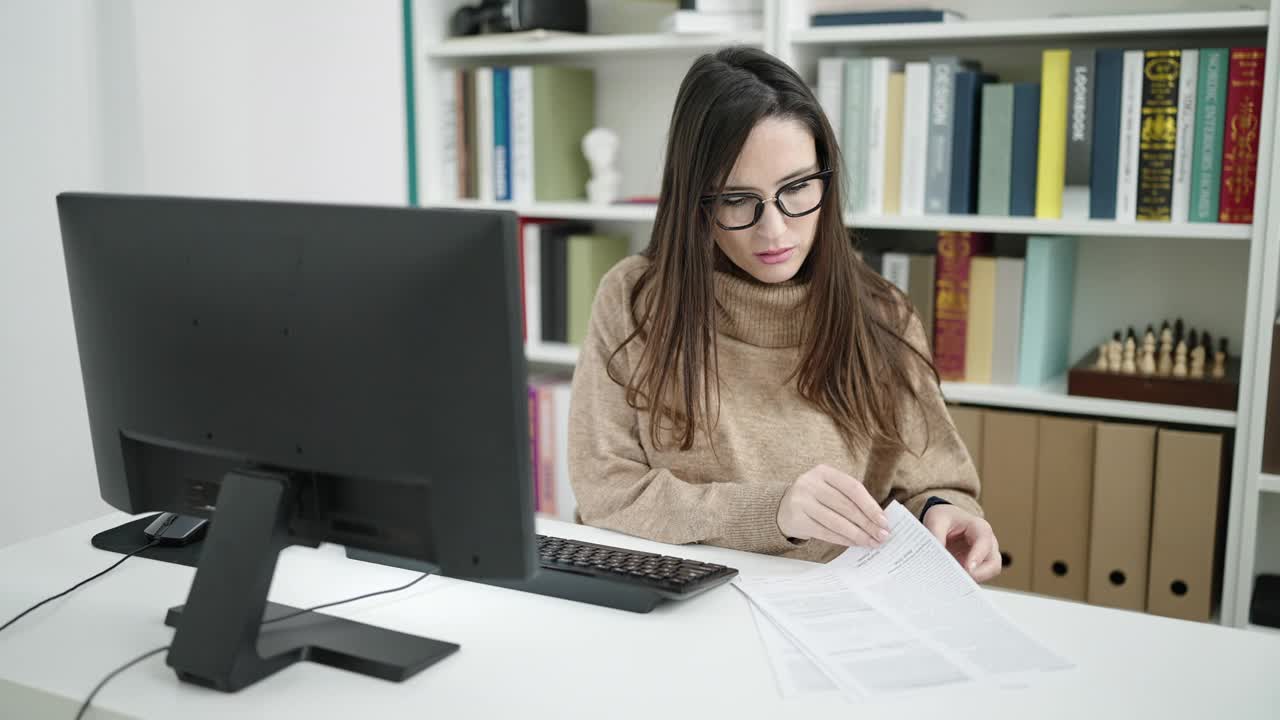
[[1269, 483], [1178, 24], [1033, 226], [551, 354], [1050, 398], [1053, 397], [640, 212], [541, 43]]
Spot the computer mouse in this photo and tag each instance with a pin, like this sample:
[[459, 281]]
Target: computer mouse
[[174, 529]]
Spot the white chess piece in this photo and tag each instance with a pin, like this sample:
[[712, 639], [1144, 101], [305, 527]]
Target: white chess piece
[[599, 146], [1127, 366], [1165, 364], [1180, 359], [1113, 358], [1101, 363], [1147, 366]]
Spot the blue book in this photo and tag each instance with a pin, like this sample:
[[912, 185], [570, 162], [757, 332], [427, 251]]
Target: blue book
[[502, 133], [1025, 151], [1048, 294], [966, 110], [1107, 94], [883, 17]]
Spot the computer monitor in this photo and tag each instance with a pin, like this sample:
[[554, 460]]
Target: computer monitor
[[304, 373]]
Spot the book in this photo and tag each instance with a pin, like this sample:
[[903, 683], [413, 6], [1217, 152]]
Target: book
[[589, 257], [884, 17], [966, 111], [1079, 137], [921, 288], [1159, 135], [483, 118], [501, 133], [892, 182], [915, 138], [995, 149], [877, 111], [698, 22], [854, 120], [896, 268], [831, 91], [1188, 76], [937, 187], [951, 300], [1206, 155], [563, 112], [1130, 128], [554, 302], [1050, 165], [1048, 291], [450, 121], [1025, 151], [1007, 330], [1104, 163], [980, 325], [1240, 136]]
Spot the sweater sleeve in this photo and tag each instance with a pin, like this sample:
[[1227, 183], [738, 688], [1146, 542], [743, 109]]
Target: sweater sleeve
[[943, 467], [613, 483]]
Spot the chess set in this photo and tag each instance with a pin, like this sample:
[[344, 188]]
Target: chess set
[[1170, 367]]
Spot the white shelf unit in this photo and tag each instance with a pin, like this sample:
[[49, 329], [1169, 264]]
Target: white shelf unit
[[1268, 483], [638, 72]]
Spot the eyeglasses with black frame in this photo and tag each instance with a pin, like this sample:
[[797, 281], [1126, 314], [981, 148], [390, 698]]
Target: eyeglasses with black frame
[[741, 210]]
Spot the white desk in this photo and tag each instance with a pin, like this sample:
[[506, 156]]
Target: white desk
[[531, 656]]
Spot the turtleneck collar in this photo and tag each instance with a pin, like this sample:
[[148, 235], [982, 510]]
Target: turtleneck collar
[[760, 314]]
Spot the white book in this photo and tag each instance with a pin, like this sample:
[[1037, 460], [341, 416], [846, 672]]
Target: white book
[[915, 138], [896, 268], [728, 6], [696, 22], [877, 111], [1187, 89], [532, 239], [522, 134], [486, 189], [566, 503], [1130, 130], [449, 189], [831, 90]]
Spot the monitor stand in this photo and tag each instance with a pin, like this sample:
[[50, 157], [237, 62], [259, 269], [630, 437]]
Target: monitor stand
[[221, 641]]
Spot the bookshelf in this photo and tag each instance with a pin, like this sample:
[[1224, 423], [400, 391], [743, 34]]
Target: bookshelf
[[638, 71]]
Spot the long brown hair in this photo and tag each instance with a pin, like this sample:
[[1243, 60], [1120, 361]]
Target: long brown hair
[[855, 364]]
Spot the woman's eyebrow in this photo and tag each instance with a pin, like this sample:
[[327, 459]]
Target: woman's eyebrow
[[792, 176]]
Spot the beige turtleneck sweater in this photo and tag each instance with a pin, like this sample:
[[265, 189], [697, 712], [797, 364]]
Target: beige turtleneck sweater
[[766, 437]]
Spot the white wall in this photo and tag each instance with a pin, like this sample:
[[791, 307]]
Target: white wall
[[297, 99]]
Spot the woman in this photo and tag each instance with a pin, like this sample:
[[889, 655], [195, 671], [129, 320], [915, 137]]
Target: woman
[[748, 381]]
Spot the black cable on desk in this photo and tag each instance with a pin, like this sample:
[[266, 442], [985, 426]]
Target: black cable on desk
[[111, 675], [51, 598]]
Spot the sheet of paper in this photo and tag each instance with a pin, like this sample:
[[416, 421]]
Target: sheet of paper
[[915, 578], [796, 674], [864, 651], [904, 617]]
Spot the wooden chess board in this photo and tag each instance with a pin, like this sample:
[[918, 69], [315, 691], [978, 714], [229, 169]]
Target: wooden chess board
[[1209, 392]]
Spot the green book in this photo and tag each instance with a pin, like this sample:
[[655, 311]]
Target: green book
[[589, 258], [853, 142], [564, 101], [1048, 295], [1206, 155], [995, 148]]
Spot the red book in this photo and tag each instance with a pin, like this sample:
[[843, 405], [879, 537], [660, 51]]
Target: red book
[[1240, 135], [951, 309]]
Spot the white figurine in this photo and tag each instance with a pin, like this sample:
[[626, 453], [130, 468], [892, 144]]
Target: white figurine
[[599, 146]]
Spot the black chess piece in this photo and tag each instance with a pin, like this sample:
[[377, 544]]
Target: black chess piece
[[1177, 331], [1222, 345], [1131, 335], [1206, 341], [1192, 339]]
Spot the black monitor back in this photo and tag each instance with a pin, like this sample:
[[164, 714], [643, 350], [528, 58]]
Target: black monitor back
[[374, 354]]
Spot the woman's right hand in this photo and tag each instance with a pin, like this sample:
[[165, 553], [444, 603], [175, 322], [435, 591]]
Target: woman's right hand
[[829, 505]]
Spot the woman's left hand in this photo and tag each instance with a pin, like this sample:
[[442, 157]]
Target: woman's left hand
[[968, 538]]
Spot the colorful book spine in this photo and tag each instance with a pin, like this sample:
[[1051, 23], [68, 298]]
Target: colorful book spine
[[1107, 98], [915, 138], [963, 198], [1188, 76], [1079, 137], [1026, 149], [1130, 128], [1206, 156], [892, 181], [980, 325], [502, 133], [534, 445], [1048, 293], [1158, 139], [951, 307], [1241, 132], [937, 185], [994, 147], [1054, 82], [921, 289]]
